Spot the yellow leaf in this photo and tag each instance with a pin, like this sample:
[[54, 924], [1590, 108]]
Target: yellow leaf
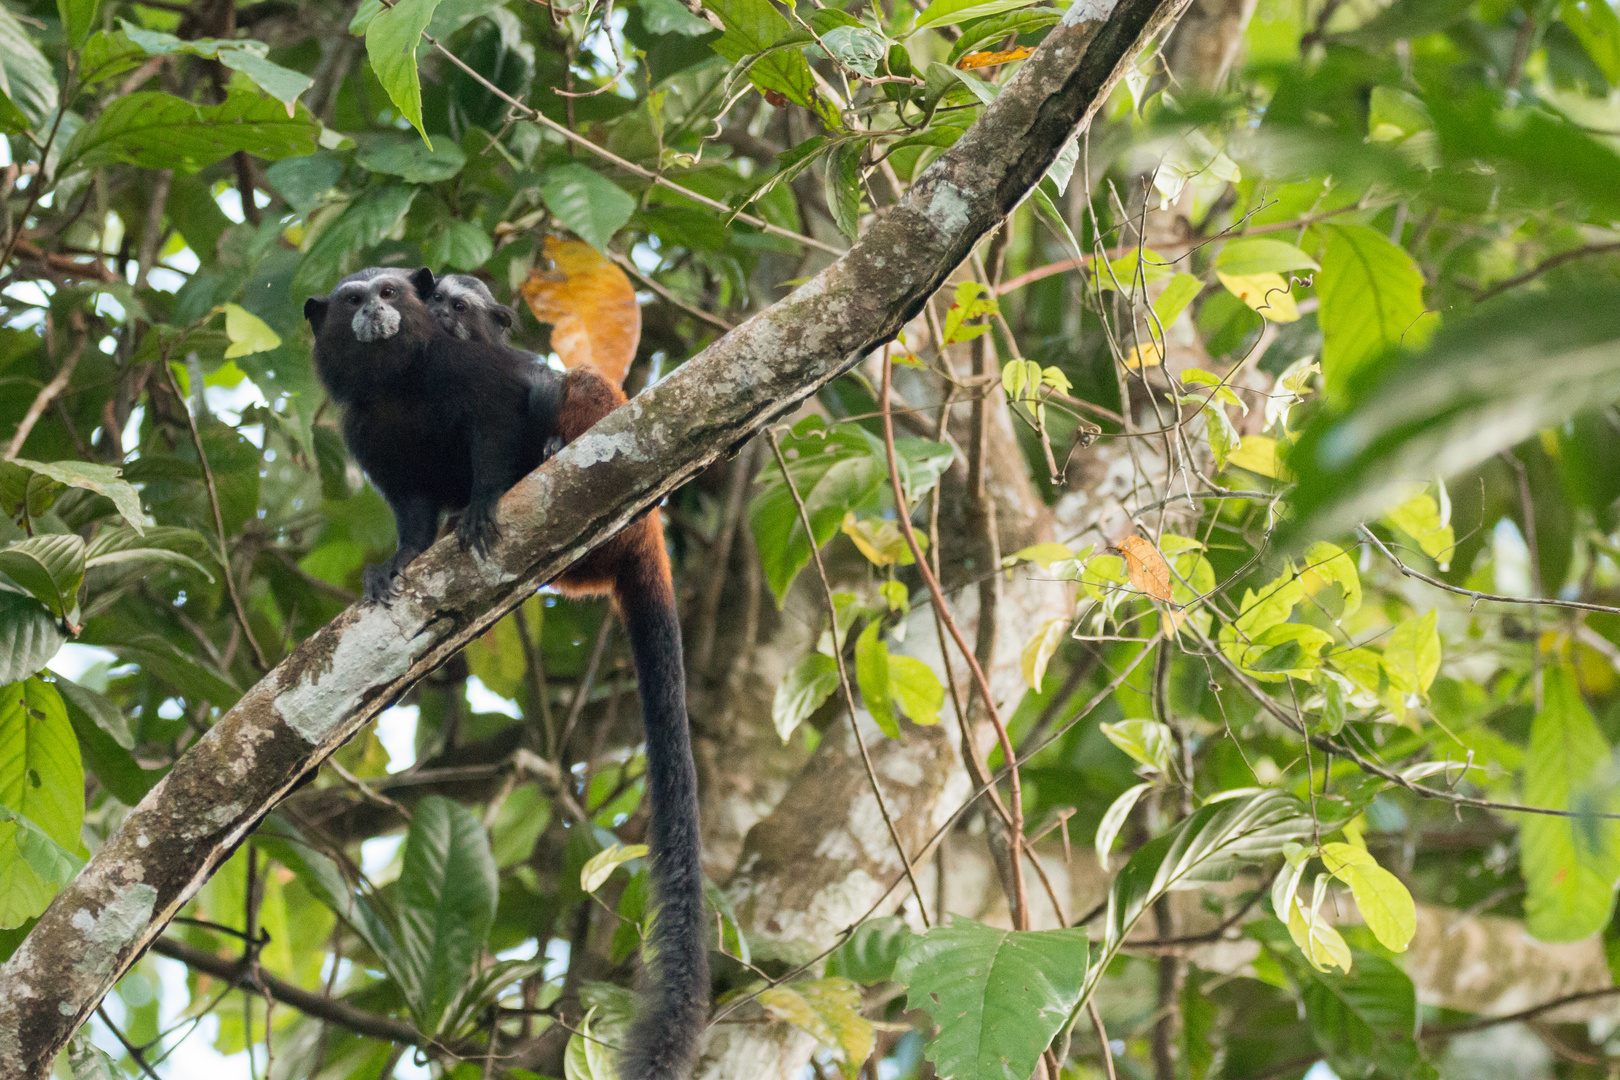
[[1149, 356], [594, 874], [1147, 569], [1383, 900], [1043, 554], [882, 543], [591, 306], [1266, 293], [1040, 649], [1320, 943], [1258, 454], [248, 333], [830, 1011], [991, 59]]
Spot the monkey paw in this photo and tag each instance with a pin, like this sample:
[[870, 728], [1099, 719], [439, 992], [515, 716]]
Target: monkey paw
[[477, 529], [380, 581]]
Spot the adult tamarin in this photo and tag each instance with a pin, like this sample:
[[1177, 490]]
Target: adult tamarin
[[431, 390]]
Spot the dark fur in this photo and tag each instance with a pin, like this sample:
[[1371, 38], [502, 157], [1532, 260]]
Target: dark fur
[[440, 425], [634, 568]]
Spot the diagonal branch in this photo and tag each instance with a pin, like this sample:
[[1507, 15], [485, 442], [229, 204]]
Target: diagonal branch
[[365, 659]]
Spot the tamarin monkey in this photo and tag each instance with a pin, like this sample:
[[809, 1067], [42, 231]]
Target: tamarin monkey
[[441, 413]]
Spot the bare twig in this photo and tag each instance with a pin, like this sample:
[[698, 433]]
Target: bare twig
[[1475, 594], [219, 519], [50, 390], [1551, 263], [843, 675]]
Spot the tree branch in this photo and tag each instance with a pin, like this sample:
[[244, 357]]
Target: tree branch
[[364, 660], [319, 1006]]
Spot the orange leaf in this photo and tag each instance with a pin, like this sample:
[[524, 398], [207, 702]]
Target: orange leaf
[[991, 59], [1146, 567], [591, 306]]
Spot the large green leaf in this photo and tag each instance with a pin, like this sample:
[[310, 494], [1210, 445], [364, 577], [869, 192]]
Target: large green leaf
[[446, 902], [362, 224], [835, 471], [951, 12], [391, 41], [41, 780], [411, 159], [102, 479], [811, 682], [161, 131], [78, 19], [1372, 295], [25, 75], [50, 567], [998, 996], [587, 202], [162, 543], [1209, 846], [1569, 864], [1484, 384], [29, 636], [105, 742], [239, 54]]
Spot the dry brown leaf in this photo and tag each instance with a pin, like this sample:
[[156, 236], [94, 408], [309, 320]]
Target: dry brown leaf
[[991, 59], [1147, 569], [591, 306]]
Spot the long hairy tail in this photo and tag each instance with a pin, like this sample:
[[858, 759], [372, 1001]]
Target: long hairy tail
[[663, 1040]]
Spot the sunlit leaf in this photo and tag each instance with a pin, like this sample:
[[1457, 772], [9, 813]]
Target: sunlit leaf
[[1383, 901], [391, 41], [811, 682], [603, 863], [1039, 650], [591, 306]]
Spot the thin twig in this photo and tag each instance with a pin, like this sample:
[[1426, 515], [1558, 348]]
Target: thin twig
[[1102, 1036], [577, 705], [219, 519], [1443, 1030], [1015, 809], [1551, 263], [1475, 594], [843, 674], [670, 298], [49, 391]]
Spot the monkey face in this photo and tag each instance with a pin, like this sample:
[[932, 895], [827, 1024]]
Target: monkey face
[[467, 309], [370, 303]]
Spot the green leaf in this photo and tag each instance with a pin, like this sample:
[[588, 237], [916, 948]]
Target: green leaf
[[1261, 255], [857, 48], [462, 245], [1419, 517], [161, 131], [993, 28], [1209, 846], [391, 41], [159, 543], [249, 334], [41, 777], [78, 19], [1182, 290], [105, 742], [50, 567], [411, 159], [802, 691], [362, 224], [1323, 947], [283, 84], [951, 12], [1113, 819], [1327, 565], [102, 479], [872, 675], [998, 996], [1412, 653], [446, 904], [1569, 864], [1597, 26], [306, 181], [599, 867], [1486, 383], [53, 863], [843, 186], [1383, 901], [869, 955], [1148, 741], [29, 636], [1372, 295], [25, 75], [916, 689], [586, 202]]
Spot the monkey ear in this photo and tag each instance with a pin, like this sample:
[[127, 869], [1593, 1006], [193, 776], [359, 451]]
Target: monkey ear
[[315, 311], [423, 282], [503, 315]]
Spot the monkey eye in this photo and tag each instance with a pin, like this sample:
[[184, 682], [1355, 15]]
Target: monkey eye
[[386, 292], [439, 297], [461, 305], [354, 298]]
